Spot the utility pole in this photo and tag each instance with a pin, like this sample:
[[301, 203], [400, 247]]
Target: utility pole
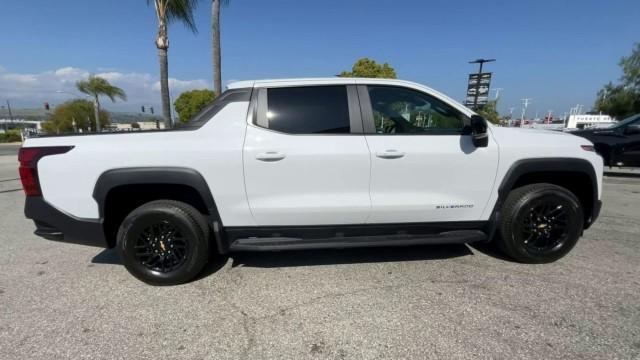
[[497, 90], [605, 92], [574, 110], [4, 121], [511, 116], [481, 62], [6, 127], [525, 104], [9, 108]]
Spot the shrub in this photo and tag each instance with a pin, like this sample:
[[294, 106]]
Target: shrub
[[10, 136]]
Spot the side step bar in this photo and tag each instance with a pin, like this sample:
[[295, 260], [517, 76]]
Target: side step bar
[[290, 243]]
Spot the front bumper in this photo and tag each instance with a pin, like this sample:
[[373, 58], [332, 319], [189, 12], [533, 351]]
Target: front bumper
[[55, 225]]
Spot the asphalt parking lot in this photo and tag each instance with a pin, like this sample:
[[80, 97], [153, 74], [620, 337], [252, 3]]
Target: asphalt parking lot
[[69, 301]]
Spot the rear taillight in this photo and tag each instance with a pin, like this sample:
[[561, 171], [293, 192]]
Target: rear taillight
[[588, 147], [28, 158]]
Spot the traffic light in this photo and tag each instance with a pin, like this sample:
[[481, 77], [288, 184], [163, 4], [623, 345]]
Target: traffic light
[[142, 108], [151, 109], [46, 106]]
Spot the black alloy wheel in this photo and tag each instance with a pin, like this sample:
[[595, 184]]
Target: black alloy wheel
[[540, 223], [162, 247], [164, 242], [545, 227]]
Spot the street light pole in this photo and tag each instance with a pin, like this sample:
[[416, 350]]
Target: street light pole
[[481, 62]]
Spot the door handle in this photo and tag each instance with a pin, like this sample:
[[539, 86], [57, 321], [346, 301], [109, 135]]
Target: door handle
[[390, 154], [270, 156]]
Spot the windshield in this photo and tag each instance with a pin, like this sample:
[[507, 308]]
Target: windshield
[[626, 121]]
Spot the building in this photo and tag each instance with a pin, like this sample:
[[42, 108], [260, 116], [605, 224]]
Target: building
[[142, 125], [9, 124], [584, 121]]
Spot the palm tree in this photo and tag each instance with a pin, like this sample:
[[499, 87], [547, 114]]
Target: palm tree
[[95, 86], [215, 44], [167, 12]]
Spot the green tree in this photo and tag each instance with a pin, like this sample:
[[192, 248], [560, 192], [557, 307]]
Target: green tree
[[215, 44], [622, 100], [168, 11], [618, 101], [631, 68], [368, 68], [190, 103], [95, 87], [489, 112], [78, 111]]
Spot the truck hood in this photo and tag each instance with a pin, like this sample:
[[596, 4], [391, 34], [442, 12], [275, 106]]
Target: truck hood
[[535, 138]]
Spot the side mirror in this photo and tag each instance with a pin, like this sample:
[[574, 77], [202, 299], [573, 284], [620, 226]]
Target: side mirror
[[479, 134], [632, 130]]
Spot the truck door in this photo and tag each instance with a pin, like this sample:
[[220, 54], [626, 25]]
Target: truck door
[[424, 168], [306, 160]]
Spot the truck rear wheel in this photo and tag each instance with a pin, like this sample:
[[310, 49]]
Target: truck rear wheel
[[164, 242], [540, 223]]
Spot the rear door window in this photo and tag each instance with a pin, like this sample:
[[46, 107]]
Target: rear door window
[[308, 110]]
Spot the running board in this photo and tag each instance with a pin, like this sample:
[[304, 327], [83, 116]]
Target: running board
[[291, 243]]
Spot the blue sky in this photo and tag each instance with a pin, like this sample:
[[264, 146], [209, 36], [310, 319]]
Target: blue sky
[[557, 52]]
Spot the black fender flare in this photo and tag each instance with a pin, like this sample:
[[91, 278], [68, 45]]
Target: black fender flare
[[524, 166], [533, 165], [113, 178]]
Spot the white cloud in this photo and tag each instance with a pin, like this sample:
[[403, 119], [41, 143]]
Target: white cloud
[[177, 86], [31, 90], [70, 73]]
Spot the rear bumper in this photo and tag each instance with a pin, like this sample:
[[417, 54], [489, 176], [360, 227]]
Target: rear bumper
[[52, 224]]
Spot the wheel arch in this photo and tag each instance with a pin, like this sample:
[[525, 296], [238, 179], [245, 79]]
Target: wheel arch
[[134, 186], [574, 174]]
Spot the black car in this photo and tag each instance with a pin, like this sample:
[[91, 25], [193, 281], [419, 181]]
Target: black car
[[619, 145]]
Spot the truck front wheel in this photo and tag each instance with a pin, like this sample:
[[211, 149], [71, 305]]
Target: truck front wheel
[[164, 242], [540, 223]]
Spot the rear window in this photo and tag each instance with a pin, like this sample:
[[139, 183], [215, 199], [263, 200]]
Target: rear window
[[215, 106], [308, 110]]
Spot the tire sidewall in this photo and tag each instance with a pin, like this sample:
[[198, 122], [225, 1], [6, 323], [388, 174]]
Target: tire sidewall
[[516, 245], [143, 217]]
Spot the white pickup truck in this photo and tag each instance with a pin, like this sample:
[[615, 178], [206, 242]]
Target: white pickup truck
[[313, 163]]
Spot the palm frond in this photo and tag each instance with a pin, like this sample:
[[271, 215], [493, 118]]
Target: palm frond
[[182, 11], [96, 86], [114, 92]]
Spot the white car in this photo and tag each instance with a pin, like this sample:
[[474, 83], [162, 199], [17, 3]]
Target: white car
[[313, 163]]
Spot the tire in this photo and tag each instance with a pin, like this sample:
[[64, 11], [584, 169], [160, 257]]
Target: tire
[[149, 234], [540, 223]]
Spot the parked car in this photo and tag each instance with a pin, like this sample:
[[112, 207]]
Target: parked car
[[308, 164], [619, 145]]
